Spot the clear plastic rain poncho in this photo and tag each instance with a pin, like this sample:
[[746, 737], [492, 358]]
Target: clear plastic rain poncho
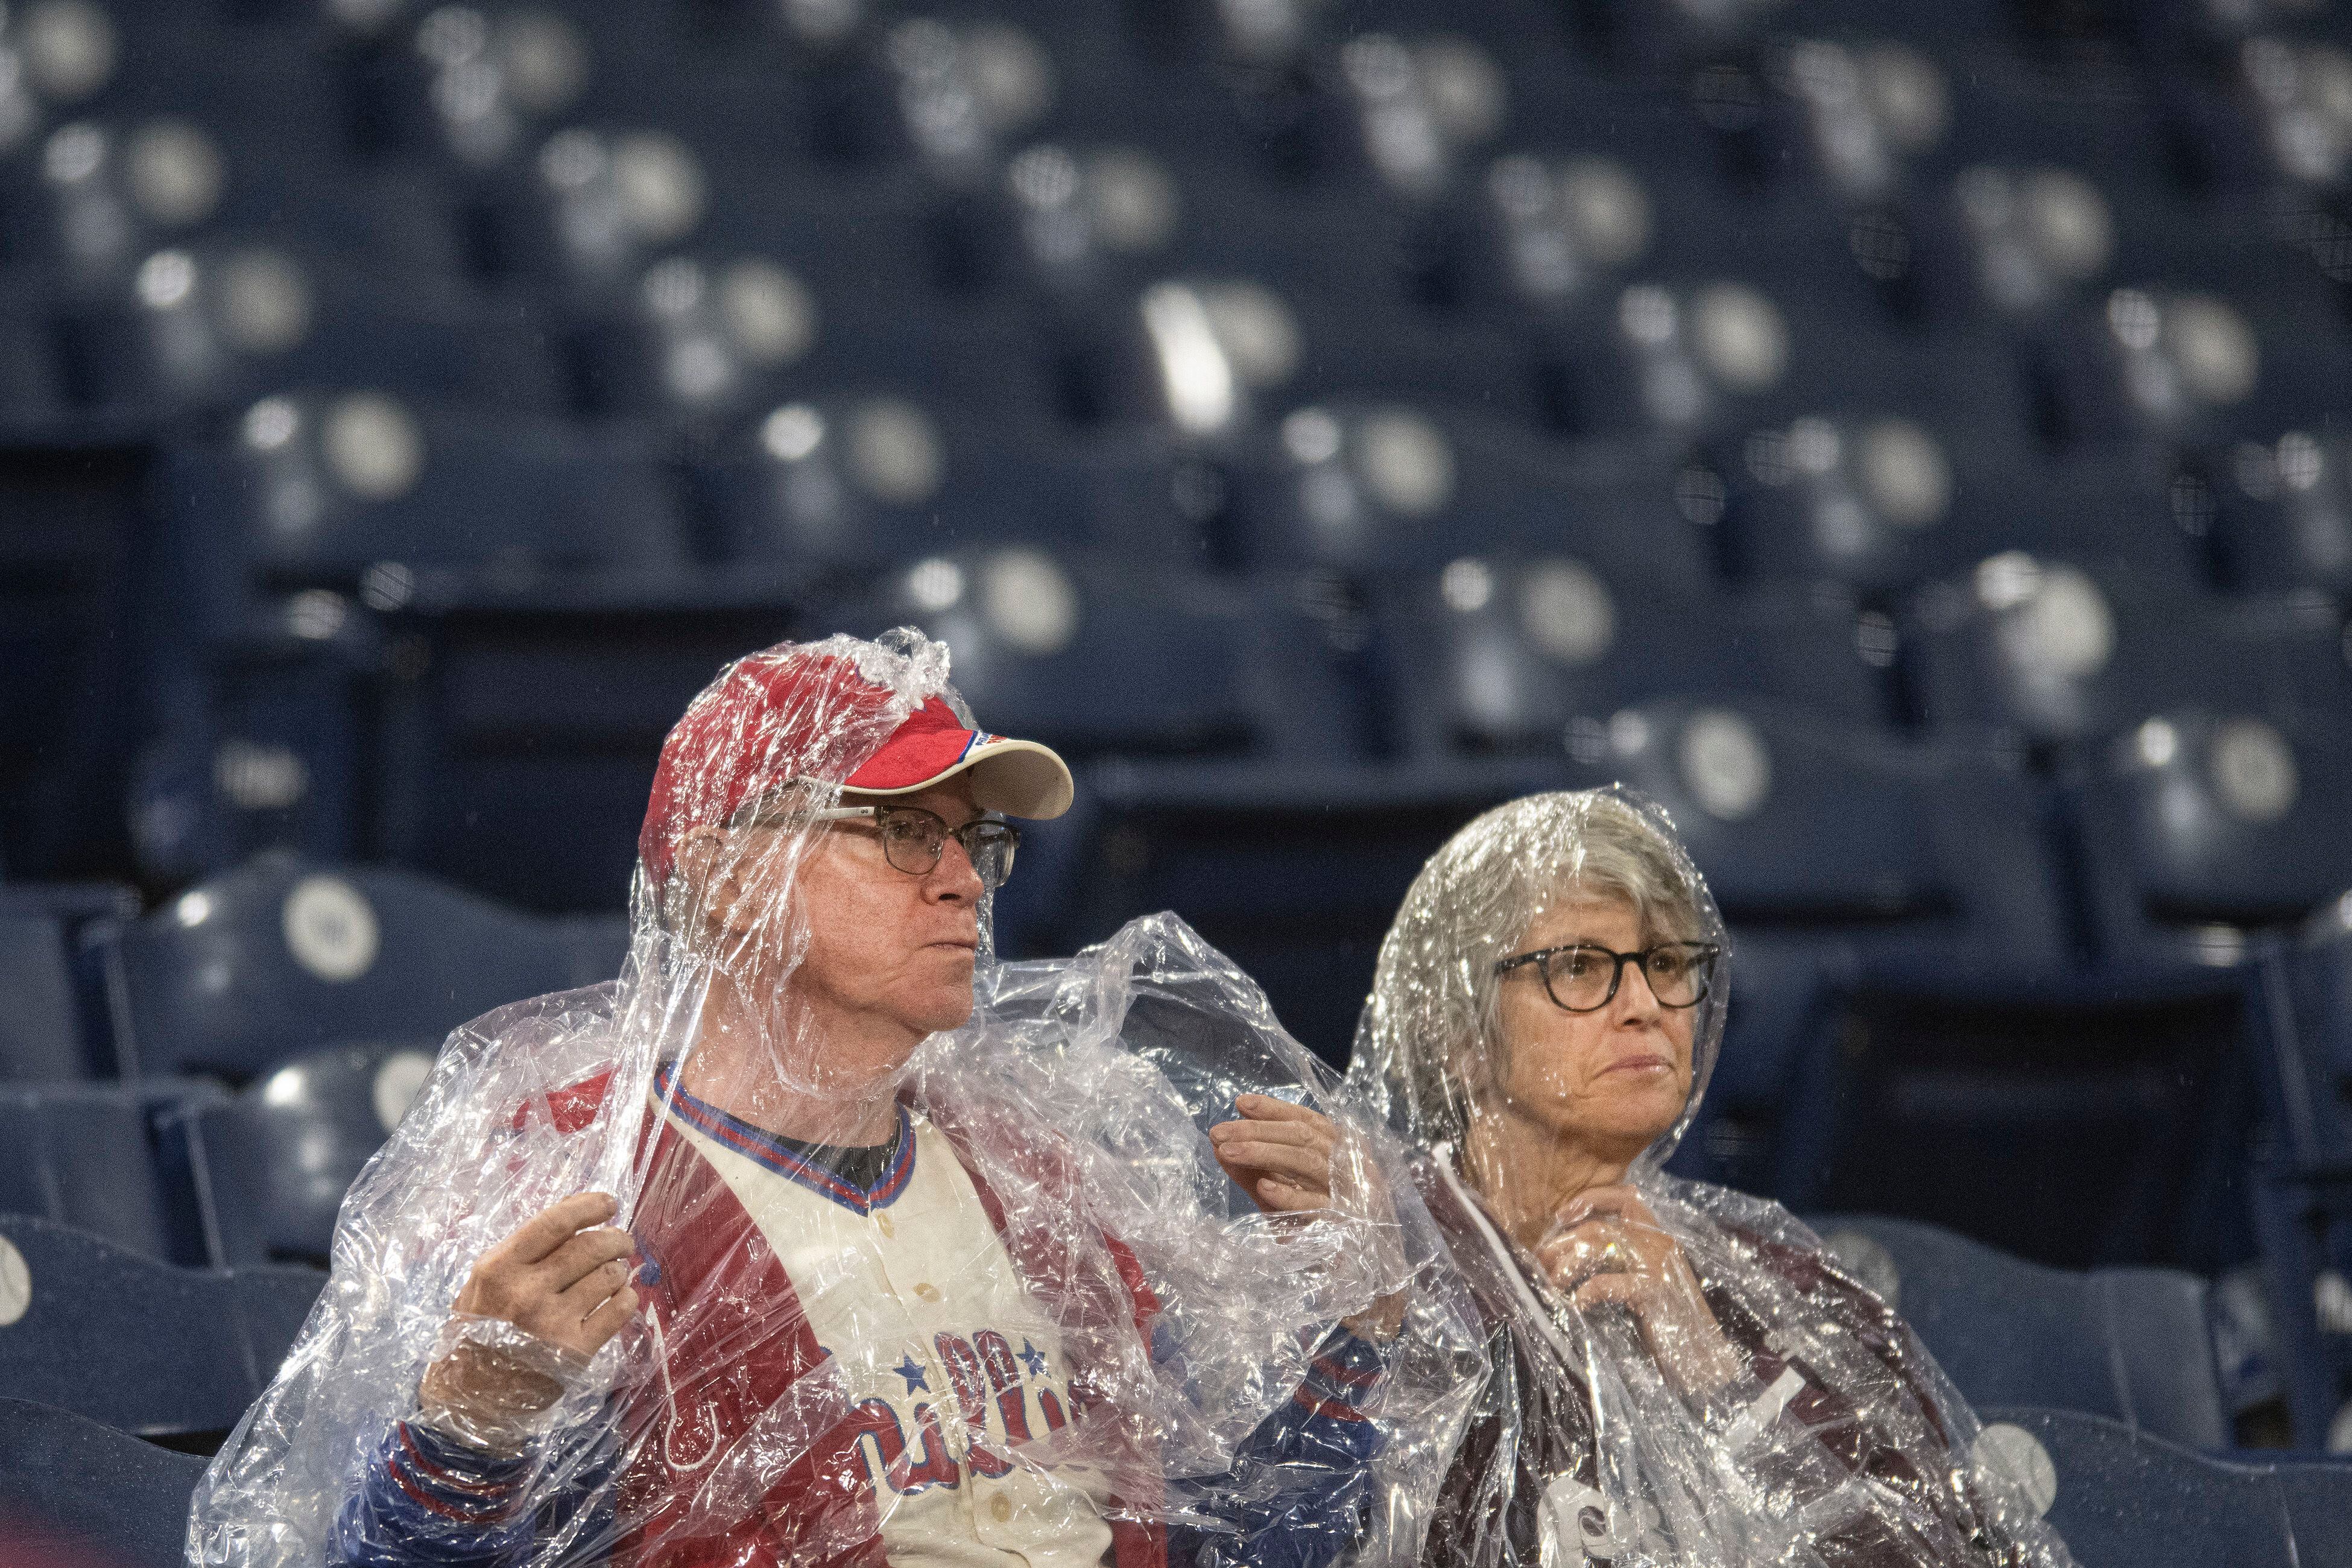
[[1795, 1419], [1039, 1325]]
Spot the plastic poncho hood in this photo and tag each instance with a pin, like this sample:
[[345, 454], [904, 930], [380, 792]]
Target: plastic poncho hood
[[1761, 1406]]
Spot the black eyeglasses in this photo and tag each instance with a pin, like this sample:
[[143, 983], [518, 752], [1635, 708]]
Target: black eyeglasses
[[913, 839], [1582, 978]]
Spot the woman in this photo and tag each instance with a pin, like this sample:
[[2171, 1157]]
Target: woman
[[1680, 1374]]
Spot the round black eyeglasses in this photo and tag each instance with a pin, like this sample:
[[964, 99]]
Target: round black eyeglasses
[[1582, 978]]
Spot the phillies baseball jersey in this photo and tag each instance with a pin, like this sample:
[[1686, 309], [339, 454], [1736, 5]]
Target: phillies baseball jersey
[[875, 1291], [950, 1368]]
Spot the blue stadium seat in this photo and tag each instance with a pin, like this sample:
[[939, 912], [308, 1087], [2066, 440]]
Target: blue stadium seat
[[1907, 849], [2050, 650], [145, 1347], [1888, 502], [2282, 512], [2132, 1344], [85, 1155], [1078, 651], [2119, 1497], [49, 1033], [1361, 486], [210, 327], [82, 1491], [2165, 362], [2299, 1030], [1528, 655], [269, 1167], [857, 483], [2196, 825], [279, 957], [32, 371]]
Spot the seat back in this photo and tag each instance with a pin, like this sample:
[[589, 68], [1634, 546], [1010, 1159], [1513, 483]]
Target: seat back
[[86, 1493], [2132, 1344], [47, 1034], [2054, 650], [2197, 823], [143, 1346], [283, 956], [2120, 1497], [85, 1155], [1803, 825], [269, 1168]]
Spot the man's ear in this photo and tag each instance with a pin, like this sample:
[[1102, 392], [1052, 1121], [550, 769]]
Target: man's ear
[[691, 871]]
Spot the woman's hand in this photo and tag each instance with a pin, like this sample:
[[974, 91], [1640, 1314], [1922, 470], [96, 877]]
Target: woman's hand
[[1287, 1158], [1606, 1246]]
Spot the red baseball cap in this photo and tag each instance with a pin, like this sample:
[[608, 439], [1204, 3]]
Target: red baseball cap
[[792, 713]]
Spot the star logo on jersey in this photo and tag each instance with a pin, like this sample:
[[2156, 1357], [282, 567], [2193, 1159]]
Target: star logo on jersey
[[915, 1376], [1033, 1358]]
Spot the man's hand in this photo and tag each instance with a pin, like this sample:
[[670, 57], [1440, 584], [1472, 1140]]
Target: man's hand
[[1608, 1248], [1282, 1155], [563, 1278]]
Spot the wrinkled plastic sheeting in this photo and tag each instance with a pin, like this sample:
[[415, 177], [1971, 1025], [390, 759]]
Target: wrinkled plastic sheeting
[[1078, 1095], [1841, 1442]]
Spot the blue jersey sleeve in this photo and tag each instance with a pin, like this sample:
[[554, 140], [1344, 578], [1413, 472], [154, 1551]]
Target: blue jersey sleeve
[[1297, 1495], [427, 1501]]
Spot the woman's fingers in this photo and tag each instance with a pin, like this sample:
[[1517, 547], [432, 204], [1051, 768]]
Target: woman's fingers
[[1279, 1159], [1266, 1108]]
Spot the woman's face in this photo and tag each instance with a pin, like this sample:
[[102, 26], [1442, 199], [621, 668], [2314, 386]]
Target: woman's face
[[1612, 1080]]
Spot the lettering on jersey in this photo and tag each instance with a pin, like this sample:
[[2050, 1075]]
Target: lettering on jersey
[[876, 1420], [985, 1373]]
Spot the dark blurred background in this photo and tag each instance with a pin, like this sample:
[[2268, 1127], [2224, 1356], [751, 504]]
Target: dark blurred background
[[1908, 442]]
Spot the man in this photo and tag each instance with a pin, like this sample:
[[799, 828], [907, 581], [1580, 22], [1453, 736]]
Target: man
[[866, 1355]]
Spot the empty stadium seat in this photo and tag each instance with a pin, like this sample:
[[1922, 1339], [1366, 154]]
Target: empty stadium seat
[[48, 1034], [1906, 849], [87, 1155], [208, 329], [1886, 502], [2299, 1029], [279, 957], [1079, 651], [856, 484], [2131, 1345], [2118, 1497], [1529, 655], [76, 1490], [2051, 650], [2282, 513], [145, 1347], [269, 1167], [2197, 825], [1361, 484]]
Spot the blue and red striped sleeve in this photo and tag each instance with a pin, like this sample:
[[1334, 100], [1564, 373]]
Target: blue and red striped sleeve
[[1297, 1494], [427, 1499]]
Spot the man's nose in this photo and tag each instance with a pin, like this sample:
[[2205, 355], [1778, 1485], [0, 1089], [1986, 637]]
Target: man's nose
[[954, 878]]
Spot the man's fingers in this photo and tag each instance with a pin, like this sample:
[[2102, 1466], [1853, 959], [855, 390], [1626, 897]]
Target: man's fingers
[[1619, 1289], [591, 1291], [551, 1227], [582, 1256], [609, 1318]]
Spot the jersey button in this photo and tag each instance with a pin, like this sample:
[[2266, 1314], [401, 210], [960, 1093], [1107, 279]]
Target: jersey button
[[927, 1291], [882, 1224], [1001, 1507]]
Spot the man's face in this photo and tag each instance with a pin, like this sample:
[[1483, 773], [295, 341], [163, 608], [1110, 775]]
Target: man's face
[[886, 942]]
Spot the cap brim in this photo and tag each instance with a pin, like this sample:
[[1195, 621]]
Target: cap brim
[[1016, 778]]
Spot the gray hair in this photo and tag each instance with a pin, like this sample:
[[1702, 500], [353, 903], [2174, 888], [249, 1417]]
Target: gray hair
[[1433, 1006]]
